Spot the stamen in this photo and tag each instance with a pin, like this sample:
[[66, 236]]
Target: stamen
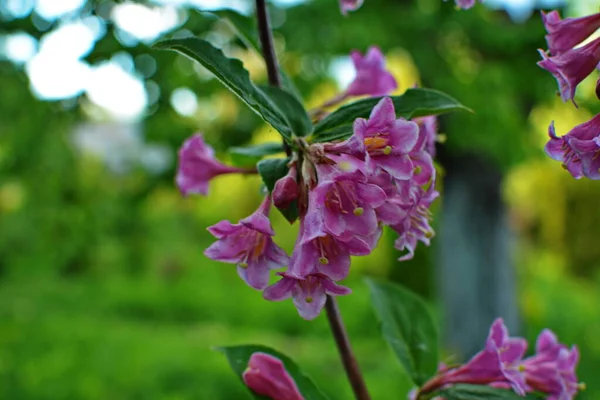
[[345, 166], [323, 260], [243, 264], [387, 150], [358, 211], [418, 170], [308, 299]]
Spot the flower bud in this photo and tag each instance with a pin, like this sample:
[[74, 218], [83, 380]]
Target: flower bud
[[267, 376], [286, 190]]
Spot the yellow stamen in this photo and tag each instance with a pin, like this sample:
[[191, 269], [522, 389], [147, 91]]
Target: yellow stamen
[[429, 234], [345, 166], [387, 150], [243, 264], [358, 211], [308, 300], [375, 143], [418, 170], [324, 260]]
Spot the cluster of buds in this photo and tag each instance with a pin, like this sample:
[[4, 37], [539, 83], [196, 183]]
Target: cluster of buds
[[551, 370], [346, 191], [579, 149]]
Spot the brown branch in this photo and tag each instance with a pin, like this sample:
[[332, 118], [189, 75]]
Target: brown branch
[[343, 344]]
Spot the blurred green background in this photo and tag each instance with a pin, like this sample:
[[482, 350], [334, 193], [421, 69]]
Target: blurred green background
[[104, 291]]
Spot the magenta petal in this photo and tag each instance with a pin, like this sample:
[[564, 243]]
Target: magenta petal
[[222, 229], [349, 5], [334, 289], [382, 116], [546, 340], [400, 166], [281, 290], [267, 376], [256, 276], [258, 222], [404, 135], [310, 302]]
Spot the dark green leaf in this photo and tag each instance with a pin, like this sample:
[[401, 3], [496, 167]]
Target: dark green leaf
[[480, 392], [413, 103], [231, 73], [238, 357], [271, 170], [246, 30], [408, 327], [250, 155], [293, 110]]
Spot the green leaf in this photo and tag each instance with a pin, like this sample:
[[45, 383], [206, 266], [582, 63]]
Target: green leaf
[[238, 357], [408, 327], [480, 392], [246, 30], [231, 73], [271, 170], [250, 155], [413, 103], [294, 111]]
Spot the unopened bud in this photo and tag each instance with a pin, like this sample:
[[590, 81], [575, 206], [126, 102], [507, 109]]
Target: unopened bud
[[285, 190], [267, 376]]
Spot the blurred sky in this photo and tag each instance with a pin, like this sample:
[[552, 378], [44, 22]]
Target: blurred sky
[[57, 72]]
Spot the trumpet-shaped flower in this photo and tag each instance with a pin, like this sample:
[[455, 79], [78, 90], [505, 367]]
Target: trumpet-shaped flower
[[198, 165], [248, 244], [372, 78]]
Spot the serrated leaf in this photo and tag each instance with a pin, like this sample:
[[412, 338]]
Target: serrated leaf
[[480, 392], [408, 328], [238, 357], [231, 73], [246, 30], [250, 155], [413, 103], [293, 110], [271, 170]]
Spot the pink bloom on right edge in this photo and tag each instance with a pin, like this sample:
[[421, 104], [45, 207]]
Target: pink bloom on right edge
[[266, 375], [372, 78], [198, 165], [572, 67], [578, 150], [564, 34]]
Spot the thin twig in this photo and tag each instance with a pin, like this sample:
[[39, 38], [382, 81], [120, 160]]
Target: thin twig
[[266, 43], [343, 344]]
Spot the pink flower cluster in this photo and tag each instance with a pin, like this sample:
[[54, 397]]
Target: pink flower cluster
[[578, 150], [346, 191], [551, 370]]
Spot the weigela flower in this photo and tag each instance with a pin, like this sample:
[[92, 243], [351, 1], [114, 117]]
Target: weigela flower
[[248, 244], [427, 133], [198, 165], [309, 293], [465, 4], [564, 34], [386, 141], [578, 150], [266, 375], [414, 227], [552, 369], [572, 67], [499, 361], [349, 5], [372, 78]]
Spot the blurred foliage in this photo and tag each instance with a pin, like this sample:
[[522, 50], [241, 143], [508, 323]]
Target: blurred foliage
[[104, 291]]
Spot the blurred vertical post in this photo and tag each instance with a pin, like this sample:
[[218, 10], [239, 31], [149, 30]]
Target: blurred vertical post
[[476, 278]]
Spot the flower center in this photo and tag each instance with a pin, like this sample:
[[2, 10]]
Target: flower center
[[376, 143]]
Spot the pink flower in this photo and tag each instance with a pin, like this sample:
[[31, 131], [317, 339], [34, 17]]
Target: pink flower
[[552, 369], [309, 293], [286, 189], [198, 165], [267, 376], [498, 362], [249, 244], [572, 67], [385, 140], [349, 5], [414, 227], [565, 34], [427, 133], [578, 150], [371, 76]]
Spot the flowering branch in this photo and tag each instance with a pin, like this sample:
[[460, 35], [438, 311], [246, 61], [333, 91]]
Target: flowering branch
[[343, 344]]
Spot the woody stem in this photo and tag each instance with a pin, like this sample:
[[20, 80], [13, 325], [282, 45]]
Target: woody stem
[[346, 354]]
